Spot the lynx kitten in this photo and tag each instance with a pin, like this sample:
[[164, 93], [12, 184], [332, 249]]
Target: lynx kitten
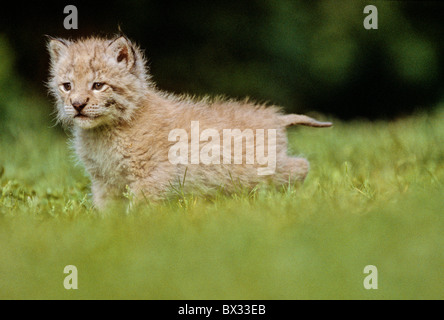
[[122, 127]]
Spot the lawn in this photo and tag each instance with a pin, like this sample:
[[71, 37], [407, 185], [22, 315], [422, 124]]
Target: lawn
[[374, 196]]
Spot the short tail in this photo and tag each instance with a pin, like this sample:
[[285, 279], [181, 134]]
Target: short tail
[[293, 119]]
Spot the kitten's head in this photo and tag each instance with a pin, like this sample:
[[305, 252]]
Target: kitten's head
[[95, 81]]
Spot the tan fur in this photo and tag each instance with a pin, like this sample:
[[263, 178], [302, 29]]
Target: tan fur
[[122, 139]]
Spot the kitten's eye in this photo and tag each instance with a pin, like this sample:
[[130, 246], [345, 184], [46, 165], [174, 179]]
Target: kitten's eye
[[98, 86], [66, 86]]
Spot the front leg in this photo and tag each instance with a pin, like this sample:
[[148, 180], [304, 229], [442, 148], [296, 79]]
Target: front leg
[[145, 191], [104, 195], [153, 186]]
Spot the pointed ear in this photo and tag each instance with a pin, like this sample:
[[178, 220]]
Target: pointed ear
[[122, 51], [57, 47]]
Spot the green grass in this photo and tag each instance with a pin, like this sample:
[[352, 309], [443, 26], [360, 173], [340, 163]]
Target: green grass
[[374, 196]]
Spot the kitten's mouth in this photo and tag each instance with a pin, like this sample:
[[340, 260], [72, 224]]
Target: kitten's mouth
[[83, 116]]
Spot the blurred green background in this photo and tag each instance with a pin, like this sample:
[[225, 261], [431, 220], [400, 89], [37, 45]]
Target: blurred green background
[[303, 55]]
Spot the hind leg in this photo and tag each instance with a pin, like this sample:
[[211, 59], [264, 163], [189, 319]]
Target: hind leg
[[295, 169]]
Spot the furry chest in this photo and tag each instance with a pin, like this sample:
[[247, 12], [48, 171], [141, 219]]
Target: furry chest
[[104, 160]]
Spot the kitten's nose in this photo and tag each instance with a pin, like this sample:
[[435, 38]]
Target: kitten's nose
[[78, 106]]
